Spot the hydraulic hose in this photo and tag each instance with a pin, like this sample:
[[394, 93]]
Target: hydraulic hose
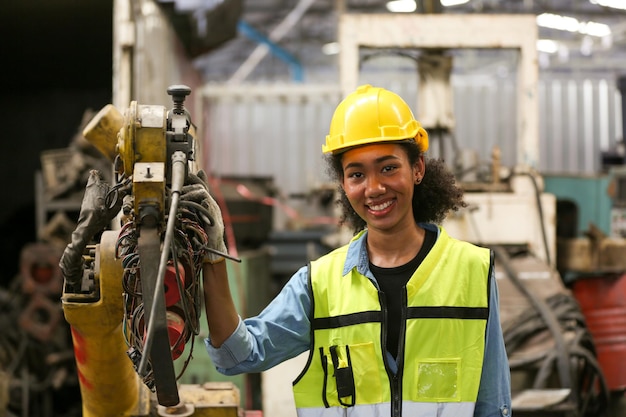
[[544, 233], [562, 360]]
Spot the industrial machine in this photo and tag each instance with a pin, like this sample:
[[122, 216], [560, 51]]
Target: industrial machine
[[552, 354], [138, 300]]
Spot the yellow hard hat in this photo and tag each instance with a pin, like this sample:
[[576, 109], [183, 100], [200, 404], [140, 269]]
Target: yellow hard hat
[[370, 115]]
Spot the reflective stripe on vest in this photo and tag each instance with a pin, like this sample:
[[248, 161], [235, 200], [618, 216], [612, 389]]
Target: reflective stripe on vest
[[384, 409], [446, 314]]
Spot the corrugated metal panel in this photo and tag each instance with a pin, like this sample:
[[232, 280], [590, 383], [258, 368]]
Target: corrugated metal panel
[[269, 131], [485, 112], [580, 118], [278, 131]]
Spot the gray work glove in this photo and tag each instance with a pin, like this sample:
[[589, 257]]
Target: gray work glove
[[196, 190], [94, 216]]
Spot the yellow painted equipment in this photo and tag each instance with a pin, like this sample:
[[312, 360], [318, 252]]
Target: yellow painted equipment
[[125, 340], [103, 129], [108, 383]]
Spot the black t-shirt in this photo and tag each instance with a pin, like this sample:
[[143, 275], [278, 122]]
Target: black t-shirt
[[391, 282]]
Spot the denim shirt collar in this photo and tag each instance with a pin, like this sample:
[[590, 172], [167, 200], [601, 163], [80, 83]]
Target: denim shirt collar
[[357, 257]]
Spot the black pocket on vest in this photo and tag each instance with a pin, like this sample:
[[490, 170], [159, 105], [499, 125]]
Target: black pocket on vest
[[344, 377]]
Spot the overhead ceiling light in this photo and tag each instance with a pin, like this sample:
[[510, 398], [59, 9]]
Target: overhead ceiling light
[[449, 3], [331, 48], [402, 6], [548, 46], [571, 24], [616, 4], [595, 29], [555, 21]]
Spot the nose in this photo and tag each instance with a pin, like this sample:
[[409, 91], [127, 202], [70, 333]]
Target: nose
[[374, 187]]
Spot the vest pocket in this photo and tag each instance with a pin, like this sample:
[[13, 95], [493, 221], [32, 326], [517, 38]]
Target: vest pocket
[[344, 377], [438, 380], [351, 375]]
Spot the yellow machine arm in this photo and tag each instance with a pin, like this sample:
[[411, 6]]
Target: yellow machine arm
[[140, 290]]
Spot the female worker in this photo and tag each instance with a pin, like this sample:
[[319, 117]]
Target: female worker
[[403, 320]]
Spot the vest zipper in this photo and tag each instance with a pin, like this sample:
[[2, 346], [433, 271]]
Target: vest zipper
[[395, 385], [396, 406]]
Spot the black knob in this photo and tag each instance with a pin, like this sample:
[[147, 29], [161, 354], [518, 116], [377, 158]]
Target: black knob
[[178, 92]]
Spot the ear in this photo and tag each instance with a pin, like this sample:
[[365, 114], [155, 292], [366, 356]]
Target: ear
[[419, 168]]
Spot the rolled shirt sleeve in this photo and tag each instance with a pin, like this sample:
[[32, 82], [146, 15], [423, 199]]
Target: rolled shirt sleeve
[[280, 332], [234, 350]]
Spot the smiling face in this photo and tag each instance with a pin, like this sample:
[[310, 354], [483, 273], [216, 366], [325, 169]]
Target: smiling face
[[378, 180]]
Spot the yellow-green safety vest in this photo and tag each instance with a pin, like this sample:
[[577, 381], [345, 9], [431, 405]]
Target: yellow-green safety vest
[[439, 367]]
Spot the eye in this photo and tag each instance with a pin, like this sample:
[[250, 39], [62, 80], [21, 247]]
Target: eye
[[354, 174], [389, 168]]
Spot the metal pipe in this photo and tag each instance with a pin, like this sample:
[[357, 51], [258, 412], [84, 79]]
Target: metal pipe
[[275, 35], [279, 52], [179, 161], [621, 86]]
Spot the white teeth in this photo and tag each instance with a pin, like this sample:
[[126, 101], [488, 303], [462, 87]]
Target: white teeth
[[380, 206]]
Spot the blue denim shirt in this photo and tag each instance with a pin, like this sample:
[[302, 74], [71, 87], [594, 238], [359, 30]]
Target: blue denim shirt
[[282, 331]]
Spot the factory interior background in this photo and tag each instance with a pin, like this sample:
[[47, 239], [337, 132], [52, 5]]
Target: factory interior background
[[266, 76]]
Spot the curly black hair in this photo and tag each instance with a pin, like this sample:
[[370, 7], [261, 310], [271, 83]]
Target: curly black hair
[[433, 198]]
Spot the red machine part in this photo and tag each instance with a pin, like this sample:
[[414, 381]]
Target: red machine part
[[603, 302], [175, 329], [172, 294], [39, 269]]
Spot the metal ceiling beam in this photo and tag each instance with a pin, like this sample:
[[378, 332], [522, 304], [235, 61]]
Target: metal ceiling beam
[[275, 36]]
